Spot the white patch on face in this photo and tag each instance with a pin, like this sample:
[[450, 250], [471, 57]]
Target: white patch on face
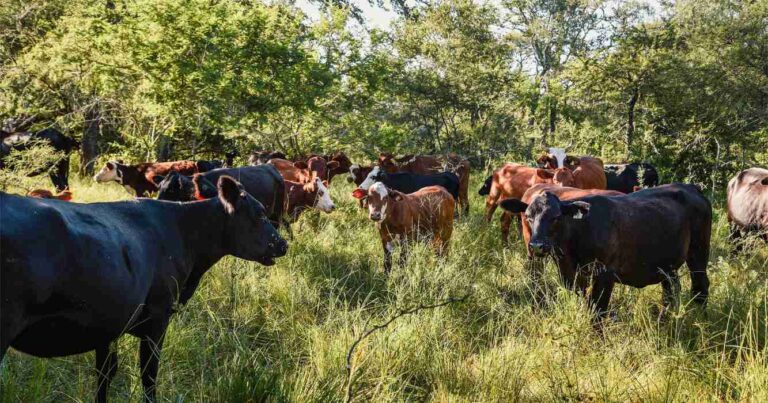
[[106, 174], [369, 179], [382, 192], [323, 200], [559, 155]]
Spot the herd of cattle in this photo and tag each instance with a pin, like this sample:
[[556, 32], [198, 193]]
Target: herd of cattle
[[88, 273]]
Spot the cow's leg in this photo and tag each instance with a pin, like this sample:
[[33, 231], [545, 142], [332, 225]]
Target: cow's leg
[[59, 174], [490, 207], [670, 291], [506, 221], [389, 246], [150, 348], [602, 287], [106, 367], [697, 260]]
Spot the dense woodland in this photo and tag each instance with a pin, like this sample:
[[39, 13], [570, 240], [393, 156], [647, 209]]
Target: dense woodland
[[681, 84]]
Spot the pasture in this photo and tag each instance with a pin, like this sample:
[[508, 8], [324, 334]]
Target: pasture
[[282, 333]]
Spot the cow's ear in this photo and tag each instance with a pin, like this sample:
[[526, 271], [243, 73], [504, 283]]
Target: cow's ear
[[765, 181], [359, 193], [300, 165], [575, 209], [395, 195], [513, 205], [229, 194], [157, 179], [120, 162], [545, 174], [333, 165]]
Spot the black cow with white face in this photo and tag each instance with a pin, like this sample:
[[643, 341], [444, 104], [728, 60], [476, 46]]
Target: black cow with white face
[[263, 182], [408, 183], [638, 239], [75, 277]]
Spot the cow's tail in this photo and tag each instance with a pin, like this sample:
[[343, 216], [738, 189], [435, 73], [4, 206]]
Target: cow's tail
[[485, 190]]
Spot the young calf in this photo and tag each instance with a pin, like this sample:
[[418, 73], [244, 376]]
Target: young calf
[[402, 217], [301, 196]]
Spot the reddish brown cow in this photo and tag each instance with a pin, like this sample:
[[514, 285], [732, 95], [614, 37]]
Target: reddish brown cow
[[562, 193], [65, 195], [748, 203], [511, 181], [140, 177], [302, 196], [315, 167], [403, 217]]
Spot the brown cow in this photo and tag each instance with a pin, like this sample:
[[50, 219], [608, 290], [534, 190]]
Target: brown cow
[[511, 182], [140, 177], [588, 172], [301, 196], [315, 167], [431, 164], [403, 217], [65, 195], [748, 203]]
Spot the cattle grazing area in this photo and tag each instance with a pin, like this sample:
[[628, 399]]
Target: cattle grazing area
[[284, 331]]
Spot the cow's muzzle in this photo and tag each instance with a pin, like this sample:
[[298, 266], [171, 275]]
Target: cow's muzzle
[[540, 248], [375, 216]]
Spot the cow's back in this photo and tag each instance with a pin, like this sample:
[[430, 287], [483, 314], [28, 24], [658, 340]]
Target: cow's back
[[589, 174], [263, 182], [748, 199]]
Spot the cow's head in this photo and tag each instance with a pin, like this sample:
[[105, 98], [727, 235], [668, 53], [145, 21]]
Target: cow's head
[[323, 200], [344, 164], [545, 216], [377, 174], [485, 190], [357, 174], [248, 233], [380, 199], [319, 167], [559, 156], [112, 171], [175, 187], [387, 162], [560, 176]]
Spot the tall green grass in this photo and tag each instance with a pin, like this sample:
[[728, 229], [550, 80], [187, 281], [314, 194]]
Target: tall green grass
[[282, 333]]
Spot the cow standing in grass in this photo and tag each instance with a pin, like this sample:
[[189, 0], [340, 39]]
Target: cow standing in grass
[[748, 203], [637, 239], [401, 218], [75, 277]]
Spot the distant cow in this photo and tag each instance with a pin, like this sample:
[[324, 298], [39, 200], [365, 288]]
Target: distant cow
[[627, 178], [140, 178], [637, 239], [229, 158], [75, 277], [748, 202], [409, 183], [304, 172], [357, 173], [58, 170], [65, 195], [511, 181], [401, 218], [261, 157], [303, 196], [588, 172], [208, 165], [263, 182]]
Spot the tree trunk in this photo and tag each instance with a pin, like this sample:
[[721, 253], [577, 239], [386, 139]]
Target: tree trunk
[[630, 135], [89, 150]]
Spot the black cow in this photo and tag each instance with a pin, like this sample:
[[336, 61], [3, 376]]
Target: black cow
[[638, 239], [408, 183], [263, 182], [229, 158], [75, 277], [59, 170], [627, 178], [208, 165]]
